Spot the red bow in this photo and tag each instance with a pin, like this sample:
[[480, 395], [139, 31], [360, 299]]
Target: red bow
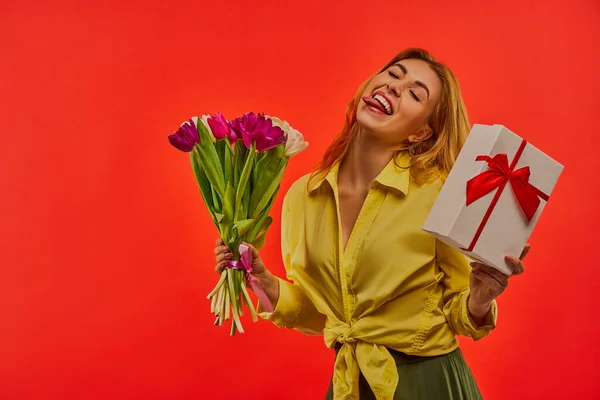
[[528, 196], [497, 176]]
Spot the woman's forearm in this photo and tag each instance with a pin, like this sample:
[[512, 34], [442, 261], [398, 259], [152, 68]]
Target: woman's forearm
[[270, 285], [479, 312]]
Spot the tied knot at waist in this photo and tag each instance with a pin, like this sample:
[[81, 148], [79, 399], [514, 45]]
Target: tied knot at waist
[[338, 332], [356, 354], [343, 339]]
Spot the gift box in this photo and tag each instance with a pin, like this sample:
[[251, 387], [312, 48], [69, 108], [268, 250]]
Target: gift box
[[493, 196]]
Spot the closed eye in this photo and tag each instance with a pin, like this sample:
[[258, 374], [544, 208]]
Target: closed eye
[[415, 96], [393, 75]]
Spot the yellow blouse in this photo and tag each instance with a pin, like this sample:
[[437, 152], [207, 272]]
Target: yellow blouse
[[394, 286]]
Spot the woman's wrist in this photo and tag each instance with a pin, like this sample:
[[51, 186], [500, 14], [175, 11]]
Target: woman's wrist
[[479, 312], [270, 284]]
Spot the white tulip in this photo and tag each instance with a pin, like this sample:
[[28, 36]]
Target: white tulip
[[205, 122], [295, 140]]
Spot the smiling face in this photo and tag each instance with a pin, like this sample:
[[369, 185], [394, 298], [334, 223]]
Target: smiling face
[[396, 103]]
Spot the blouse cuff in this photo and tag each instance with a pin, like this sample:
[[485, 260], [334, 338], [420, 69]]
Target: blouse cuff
[[288, 306], [478, 331]]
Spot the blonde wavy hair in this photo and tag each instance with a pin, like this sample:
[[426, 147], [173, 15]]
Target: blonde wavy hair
[[430, 158]]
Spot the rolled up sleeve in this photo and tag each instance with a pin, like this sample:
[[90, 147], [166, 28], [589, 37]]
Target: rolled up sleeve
[[294, 309], [457, 272]]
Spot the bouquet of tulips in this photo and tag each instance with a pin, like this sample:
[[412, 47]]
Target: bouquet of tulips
[[238, 166]]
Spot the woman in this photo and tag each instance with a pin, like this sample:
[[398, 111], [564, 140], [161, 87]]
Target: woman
[[387, 296]]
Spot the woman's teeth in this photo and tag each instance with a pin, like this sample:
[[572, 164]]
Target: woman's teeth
[[384, 103]]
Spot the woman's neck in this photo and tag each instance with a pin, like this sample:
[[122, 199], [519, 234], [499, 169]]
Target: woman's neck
[[365, 159]]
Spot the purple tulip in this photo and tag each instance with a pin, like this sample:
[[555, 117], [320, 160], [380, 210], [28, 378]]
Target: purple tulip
[[220, 128], [186, 137], [256, 128]]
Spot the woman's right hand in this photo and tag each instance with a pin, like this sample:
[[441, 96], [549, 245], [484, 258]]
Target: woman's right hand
[[268, 281], [223, 255]]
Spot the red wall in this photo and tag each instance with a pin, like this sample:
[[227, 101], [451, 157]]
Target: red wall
[[106, 249]]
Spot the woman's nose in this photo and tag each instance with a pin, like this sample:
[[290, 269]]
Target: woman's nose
[[396, 88]]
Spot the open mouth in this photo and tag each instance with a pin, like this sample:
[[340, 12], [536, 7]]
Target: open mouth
[[379, 102]]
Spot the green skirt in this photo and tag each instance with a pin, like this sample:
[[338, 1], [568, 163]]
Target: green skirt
[[446, 377]]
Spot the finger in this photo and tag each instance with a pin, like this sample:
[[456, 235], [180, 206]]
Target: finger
[[219, 242], [525, 251], [516, 265], [224, 257], [254, 251], [488, 280], [220, 267], [221, 249], [501, 278]]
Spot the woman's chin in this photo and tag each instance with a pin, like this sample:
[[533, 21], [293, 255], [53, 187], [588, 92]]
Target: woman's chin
[[368, 123]]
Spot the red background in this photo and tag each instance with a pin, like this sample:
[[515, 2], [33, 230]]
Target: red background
[[106, 249]]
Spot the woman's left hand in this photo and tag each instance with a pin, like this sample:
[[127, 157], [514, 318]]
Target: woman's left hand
[[487, 283]]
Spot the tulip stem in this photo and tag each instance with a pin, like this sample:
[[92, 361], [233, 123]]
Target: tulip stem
[[213, 303], [237, 292], [222, 313], [227, 303], [219, 300], [249, 302], [218, 286], [236, 317]]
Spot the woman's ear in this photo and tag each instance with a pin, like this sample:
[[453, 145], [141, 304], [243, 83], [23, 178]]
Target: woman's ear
[[422, 134]]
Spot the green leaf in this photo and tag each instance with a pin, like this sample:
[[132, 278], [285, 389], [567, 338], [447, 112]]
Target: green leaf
[[202, 179], [257, 228], [261, 222], [220, 148], [259, 242], [238, 161], [243, 226], [209, 160], [265, 195], [243, 182], [219, 217], [204, 186], [246, 200], [266, 171], [227, 220], [266, 225], [228, 163], [268, 161], [266, 157], [215, 198], [228, 203]]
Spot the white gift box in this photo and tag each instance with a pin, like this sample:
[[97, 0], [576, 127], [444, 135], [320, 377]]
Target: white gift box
[[488, 205]]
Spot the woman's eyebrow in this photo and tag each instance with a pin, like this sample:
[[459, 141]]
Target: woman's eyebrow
[[419, 83]]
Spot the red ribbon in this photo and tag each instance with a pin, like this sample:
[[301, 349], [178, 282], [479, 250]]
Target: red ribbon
[[498, 176]]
